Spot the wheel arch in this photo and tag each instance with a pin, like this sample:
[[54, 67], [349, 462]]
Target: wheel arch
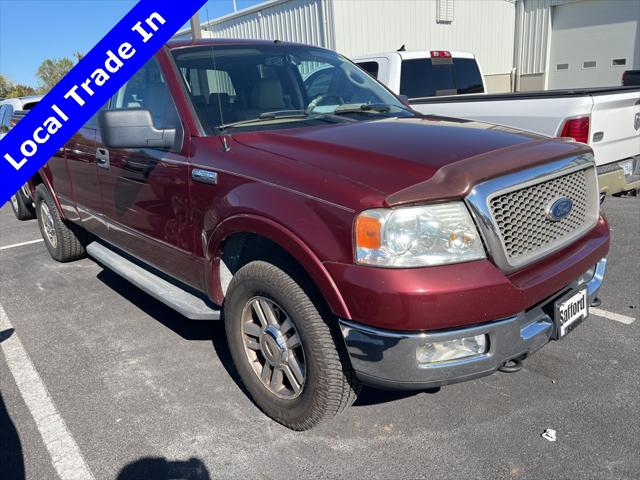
[[248, 226], [41, 177]]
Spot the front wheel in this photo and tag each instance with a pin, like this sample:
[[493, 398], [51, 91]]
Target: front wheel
[[286, 347]]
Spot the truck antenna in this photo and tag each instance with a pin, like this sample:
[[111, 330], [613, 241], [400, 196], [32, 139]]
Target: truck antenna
[[225, 144]]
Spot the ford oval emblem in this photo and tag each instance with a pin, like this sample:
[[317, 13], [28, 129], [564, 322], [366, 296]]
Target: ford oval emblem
[[559, 209]]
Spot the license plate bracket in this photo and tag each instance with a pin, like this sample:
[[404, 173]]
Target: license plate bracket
[[570, 311]]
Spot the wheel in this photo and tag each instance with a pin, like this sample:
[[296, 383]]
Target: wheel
[[286, 347], [22, 206], [64, 241]]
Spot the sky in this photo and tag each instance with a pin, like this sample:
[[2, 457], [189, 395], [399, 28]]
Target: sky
[[33, 30]]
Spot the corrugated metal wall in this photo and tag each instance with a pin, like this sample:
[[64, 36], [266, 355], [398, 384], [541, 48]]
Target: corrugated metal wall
[[534, 36], [293, 21], [356, 27], [485, 28]]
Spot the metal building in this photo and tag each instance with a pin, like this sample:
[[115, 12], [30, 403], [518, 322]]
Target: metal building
[[520, 44]]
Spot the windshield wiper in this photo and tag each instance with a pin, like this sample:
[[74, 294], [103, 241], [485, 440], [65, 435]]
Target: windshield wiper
[[362, 107], [266, 116], [368, 108]]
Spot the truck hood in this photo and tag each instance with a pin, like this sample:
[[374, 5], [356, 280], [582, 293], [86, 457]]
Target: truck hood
[[411, 159]]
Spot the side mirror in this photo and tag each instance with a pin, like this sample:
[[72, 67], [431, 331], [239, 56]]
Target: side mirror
[[133, 128], [404, 99]]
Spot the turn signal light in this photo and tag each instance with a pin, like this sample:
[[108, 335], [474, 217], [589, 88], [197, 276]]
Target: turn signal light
[[368, 232], [576, 128]]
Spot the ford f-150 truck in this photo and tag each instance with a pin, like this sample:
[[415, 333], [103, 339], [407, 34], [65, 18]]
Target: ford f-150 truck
[[343, 238], [441, 82]]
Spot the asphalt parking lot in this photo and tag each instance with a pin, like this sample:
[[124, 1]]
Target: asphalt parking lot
[[144, 393]]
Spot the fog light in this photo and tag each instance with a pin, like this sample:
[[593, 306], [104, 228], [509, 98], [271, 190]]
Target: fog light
[[447, 350]]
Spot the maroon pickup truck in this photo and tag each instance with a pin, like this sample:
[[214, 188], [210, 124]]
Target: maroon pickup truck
[[344, 238]]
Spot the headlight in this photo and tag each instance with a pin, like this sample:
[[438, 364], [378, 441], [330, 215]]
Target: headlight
[[417, 236]]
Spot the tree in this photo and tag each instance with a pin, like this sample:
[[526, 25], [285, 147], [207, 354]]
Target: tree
[[20, 90], [5, 86], [52, 70]]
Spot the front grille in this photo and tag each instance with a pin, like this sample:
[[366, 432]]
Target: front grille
[[521, 218]]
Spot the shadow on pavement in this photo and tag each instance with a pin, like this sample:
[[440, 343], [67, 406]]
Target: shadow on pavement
[[188, 329], [159, 468], [374, 396], [11, 457]]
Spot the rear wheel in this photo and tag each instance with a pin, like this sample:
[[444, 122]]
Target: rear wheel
[[22, 206], [64, 241], [286, 347]]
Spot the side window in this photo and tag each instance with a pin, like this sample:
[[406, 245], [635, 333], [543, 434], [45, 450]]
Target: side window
[[371, 68], [147, 89]]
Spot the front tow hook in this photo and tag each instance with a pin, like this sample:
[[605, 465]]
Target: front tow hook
[[511, 366]]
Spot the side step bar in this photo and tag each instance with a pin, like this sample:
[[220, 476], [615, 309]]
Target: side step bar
[[183, 302]]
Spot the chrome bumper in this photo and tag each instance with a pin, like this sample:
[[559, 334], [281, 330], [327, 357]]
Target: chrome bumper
[[387, 359]]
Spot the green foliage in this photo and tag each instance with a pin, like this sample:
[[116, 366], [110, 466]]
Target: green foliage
[[5, 86], [20, 90], [50, 73], [52, 70]]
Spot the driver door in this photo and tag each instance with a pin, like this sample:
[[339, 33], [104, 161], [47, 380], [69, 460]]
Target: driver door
[[145, 191]]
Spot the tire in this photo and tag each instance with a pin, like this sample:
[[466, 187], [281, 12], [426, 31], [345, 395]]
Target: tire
[[329, 384], [64, 241], [22, 206]]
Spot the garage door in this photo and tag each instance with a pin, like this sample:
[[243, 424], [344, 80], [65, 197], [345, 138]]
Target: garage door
[[593, 42]]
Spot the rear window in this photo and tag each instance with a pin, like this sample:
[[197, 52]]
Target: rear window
[[370, 67], [423, 78]]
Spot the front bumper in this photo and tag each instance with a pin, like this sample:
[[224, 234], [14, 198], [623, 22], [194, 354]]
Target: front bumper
[[612, 178], [387, 359]]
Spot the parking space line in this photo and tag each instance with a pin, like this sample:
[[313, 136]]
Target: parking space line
[[612, 316], [65, 454], [16, 245]]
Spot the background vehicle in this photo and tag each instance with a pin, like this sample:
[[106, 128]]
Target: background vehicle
[[342, 234], [631, 78], [11, 111], [606, 119]]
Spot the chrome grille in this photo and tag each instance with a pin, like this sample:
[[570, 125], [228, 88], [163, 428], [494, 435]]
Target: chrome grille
[[511, 211], [521, 219]]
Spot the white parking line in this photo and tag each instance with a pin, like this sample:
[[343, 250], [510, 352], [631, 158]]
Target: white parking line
[[64, 452], [22, 244], [612, 316]]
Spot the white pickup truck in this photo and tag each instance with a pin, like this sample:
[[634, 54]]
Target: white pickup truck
[[451, 84]]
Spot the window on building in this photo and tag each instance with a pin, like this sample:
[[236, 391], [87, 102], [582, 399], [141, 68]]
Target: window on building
[[371, 68], [618, 62], [562, 66], [589, 64]]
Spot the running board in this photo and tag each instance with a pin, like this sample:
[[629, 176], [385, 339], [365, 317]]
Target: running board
[[183, 302]]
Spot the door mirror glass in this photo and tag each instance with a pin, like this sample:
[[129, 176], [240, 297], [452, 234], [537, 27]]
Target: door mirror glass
[[133, 128]]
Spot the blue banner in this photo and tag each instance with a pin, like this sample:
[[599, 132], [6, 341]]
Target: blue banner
[[88, 86]]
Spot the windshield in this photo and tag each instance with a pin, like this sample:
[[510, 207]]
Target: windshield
[[279, 86]]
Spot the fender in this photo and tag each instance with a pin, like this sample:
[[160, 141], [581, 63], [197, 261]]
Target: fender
[[44, 175], [288, 241]]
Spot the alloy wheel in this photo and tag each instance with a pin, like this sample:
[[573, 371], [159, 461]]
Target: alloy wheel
[[273, 347]]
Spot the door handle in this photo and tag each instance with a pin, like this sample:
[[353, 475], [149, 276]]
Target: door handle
[[204, 176], [102, 157]]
